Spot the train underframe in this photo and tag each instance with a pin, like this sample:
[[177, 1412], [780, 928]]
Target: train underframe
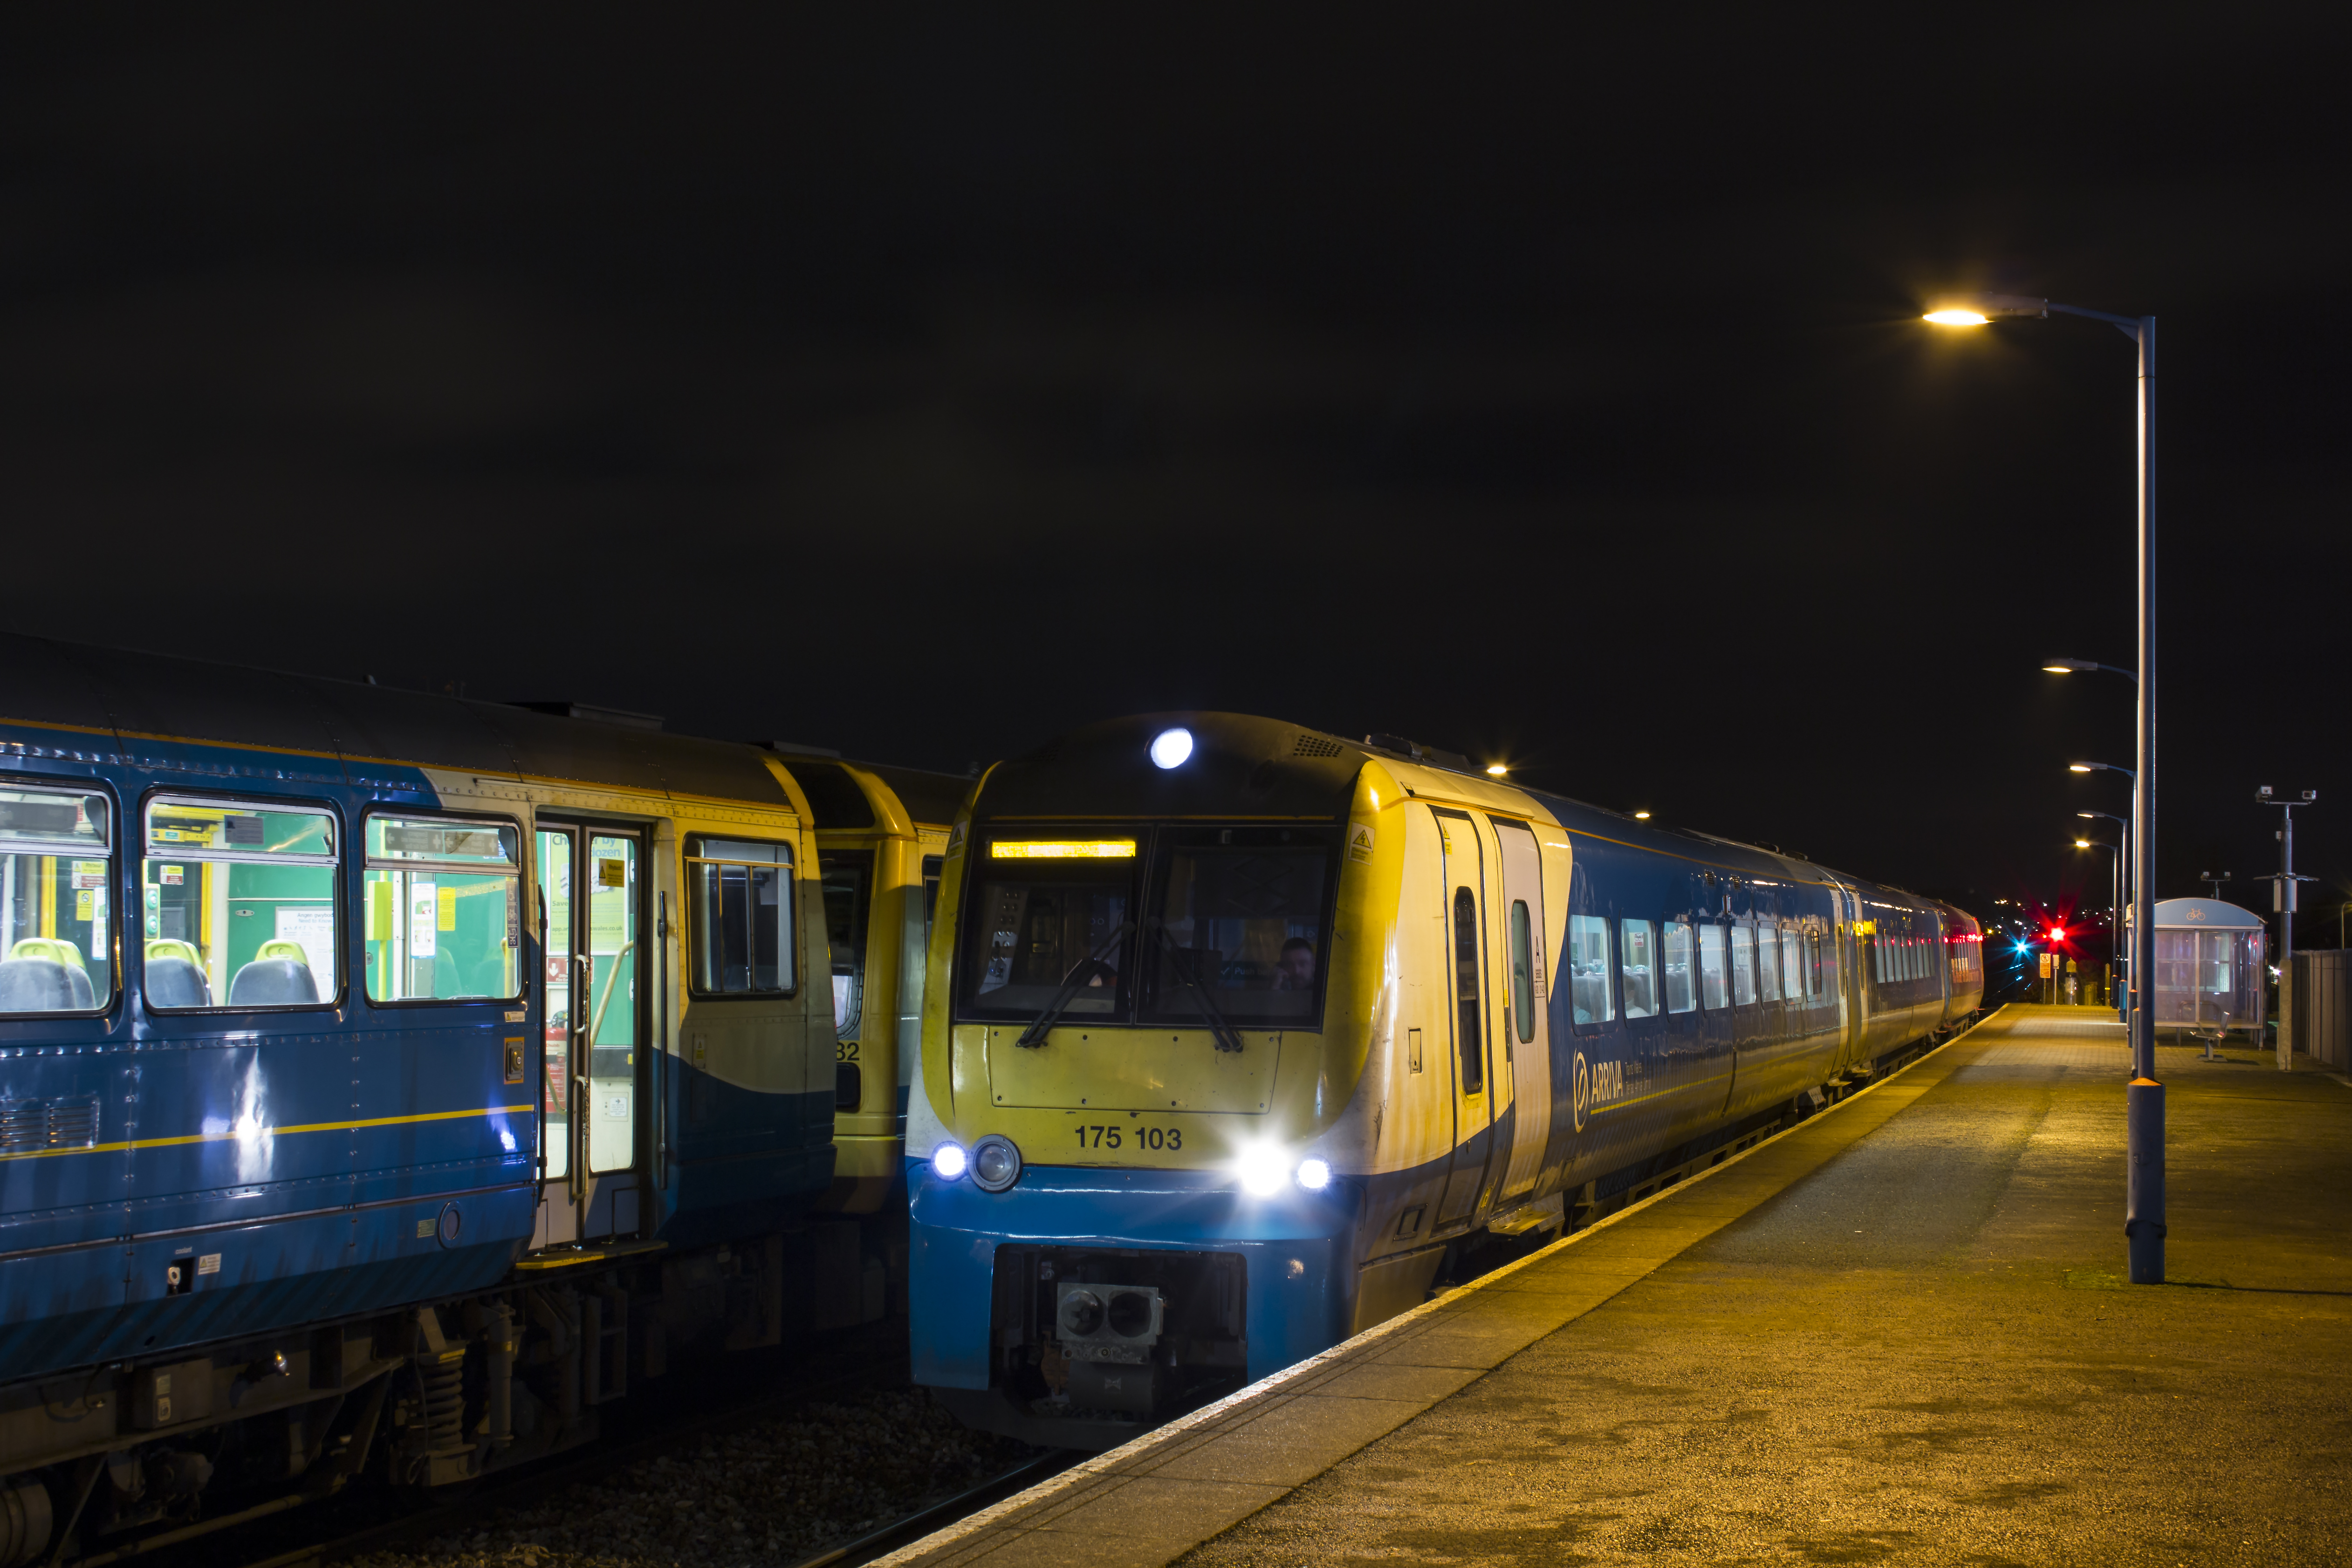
[[107, 1462]]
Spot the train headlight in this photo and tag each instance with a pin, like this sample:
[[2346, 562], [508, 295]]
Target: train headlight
[[1314, 1175], [1169, 747], [1263, 1171], [995, 1163], [948, 1162]]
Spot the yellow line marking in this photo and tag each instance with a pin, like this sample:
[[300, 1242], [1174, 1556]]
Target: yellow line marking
[[271, 1132]]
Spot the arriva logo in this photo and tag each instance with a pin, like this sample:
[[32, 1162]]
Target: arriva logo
[[1597, 1083]]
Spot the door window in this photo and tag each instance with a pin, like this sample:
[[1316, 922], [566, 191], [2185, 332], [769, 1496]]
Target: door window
[[921, 907], [56, 953], [239, 905], [608, 994], [1523, 973], [1639, 968], [1588, 969], [1468, 1039], [442, 903], [846, 877], [556, 1090]]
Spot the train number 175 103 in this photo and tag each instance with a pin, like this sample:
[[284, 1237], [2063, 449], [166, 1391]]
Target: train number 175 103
[[1108, 1137]]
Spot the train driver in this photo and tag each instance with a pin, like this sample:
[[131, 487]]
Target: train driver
[[1295, 970]]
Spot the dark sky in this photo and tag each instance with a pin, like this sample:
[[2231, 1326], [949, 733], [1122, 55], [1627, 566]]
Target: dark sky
[[922, 382]]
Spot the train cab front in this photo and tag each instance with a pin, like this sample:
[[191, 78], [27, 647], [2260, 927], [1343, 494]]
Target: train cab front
[[1122, 1202]]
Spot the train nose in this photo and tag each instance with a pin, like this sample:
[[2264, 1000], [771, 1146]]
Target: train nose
[[1082, 1312]]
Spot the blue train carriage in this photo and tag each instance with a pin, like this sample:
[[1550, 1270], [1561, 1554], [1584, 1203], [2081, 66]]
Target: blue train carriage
[[386, 1081], [881, 834], [1237, 1036]]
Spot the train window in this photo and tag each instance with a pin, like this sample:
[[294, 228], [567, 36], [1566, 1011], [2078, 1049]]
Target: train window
[[740, 930], [919, 909], [846, 876], [1468, 1039], [1825, 968], [238, 904], [1045, 910], [1681, 988], [1743, 966], [1638, 963], [1767, 964], [441, 909], [57, 951], [1242, 913], [1523, 973], [1792, 962], [1710, 967], [1588, 969]]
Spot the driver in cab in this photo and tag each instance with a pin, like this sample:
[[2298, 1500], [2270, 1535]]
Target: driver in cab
[[1295, 970]]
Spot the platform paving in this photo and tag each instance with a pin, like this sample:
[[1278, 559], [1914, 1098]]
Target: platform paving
[[1896, 1333]]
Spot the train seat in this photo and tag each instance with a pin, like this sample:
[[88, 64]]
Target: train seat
[[272, 983], [42, 985], [174, 982], [174, 947]]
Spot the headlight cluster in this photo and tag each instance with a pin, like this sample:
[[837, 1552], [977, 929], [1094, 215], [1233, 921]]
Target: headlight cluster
[[994, 1162], [1264, 1170]]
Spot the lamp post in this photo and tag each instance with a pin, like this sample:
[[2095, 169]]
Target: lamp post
[[2284, 900], [2115, 916], [2144, 1225], [2114, 873]]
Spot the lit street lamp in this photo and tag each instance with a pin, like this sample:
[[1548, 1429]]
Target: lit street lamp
[[2144, 1100], [2084, 666]]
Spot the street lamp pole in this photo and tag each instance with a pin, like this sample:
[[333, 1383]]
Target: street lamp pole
[[2144, 1225], [2284, 900], [2114, 912]]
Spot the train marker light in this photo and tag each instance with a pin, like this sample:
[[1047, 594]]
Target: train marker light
[[1262, 1170], [1169, 747], [995, 1163], [1956, 318], [1314, 1175], [1062, 850], [948, 1162]]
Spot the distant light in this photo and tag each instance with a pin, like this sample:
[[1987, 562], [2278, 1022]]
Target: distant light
[[1956, 318], [1641, 816], [2080, 767], [1263, 1171], [2057, 934], [1496, 769], [948, 1162], [1062, 850], [1314, 1175], [1169, 747], [2060, 669]]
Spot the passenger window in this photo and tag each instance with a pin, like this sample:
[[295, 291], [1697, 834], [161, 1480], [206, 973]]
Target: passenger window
[[1587, 970], [1523, 973], [1792, 961], [921, 907], [740, 931], [1710, 965], [56, 951], [1639, 968], [846, 878], [1825, 967], [1767, 964], [443, 910], [1743, 966], [1467, 1040], [1682, 986], [239, 905]]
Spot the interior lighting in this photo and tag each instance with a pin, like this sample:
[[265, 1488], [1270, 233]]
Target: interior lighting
[[1062, 850], [948, 1162], [1263, 1170], [1956, 318], [1497, 769], [1314, 1175], [1169, 747]]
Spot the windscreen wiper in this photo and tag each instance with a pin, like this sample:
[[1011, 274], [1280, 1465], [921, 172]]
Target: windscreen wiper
[[1075, 981], [1227, 1038]]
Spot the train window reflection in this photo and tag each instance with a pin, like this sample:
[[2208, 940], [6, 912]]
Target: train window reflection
[[1710, 965], [1743, 966], [1792, 961], [1587, 970], [740, 931], [1242, 913], [442, 910], [1639, 968], [1036, 924], [1767, 964], [238, 904], [56, 953], [1682, 989]]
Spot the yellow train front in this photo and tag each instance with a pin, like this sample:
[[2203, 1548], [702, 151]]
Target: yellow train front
[[1234, 1033]]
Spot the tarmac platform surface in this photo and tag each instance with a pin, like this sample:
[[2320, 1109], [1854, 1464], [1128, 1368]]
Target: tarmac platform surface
[[1896, 1333]]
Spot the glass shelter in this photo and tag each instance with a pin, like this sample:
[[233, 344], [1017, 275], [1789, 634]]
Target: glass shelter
[[2209, 976]]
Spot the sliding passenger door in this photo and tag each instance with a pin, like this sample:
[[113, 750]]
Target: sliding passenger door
[[1529, 1044], [595, 1067], [1464, 918]]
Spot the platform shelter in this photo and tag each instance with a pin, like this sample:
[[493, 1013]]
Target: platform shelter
[[2209, 967]]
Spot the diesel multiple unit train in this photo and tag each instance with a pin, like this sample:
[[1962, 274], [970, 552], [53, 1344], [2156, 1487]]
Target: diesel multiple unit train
[[1236, 1032], [388, 1080]]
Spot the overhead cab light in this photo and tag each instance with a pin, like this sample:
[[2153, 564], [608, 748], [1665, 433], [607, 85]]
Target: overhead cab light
[[1062, 850], [1169, 747]]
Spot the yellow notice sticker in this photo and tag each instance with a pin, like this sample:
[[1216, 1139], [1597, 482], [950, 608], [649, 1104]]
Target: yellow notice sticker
[[82, 905], [612, 874], [174, 876], [446, 914], [1360, 843]]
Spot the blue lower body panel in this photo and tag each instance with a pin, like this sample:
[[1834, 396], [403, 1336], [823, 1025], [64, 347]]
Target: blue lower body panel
[[1298, 1249]]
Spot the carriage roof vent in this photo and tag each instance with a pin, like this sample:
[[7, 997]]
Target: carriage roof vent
[[596, 715], [1418, 752]]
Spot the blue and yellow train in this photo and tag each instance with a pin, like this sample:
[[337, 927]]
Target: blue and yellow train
[[1236, 1034], [386, 1080]]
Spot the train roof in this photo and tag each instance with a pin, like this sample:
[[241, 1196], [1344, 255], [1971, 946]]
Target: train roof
[[150, 703]]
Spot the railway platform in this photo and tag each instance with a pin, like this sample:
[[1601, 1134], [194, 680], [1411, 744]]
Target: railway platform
[[1897, 1332]]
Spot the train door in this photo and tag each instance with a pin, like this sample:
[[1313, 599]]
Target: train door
[[1528, 1020], [1465, 920], [593, 990]]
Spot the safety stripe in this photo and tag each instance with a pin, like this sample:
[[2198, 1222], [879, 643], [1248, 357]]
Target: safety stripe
[[273, 1132]]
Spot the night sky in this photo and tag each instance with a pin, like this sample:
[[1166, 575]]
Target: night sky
[[924, 382]]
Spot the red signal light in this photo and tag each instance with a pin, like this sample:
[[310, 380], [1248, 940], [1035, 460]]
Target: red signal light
[[2057, 934]]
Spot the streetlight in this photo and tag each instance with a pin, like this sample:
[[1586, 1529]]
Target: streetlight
[[2084, 666], [2122, 869], [2283, 899], [2144, 1100], [2114, 871], [2102, 768]]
